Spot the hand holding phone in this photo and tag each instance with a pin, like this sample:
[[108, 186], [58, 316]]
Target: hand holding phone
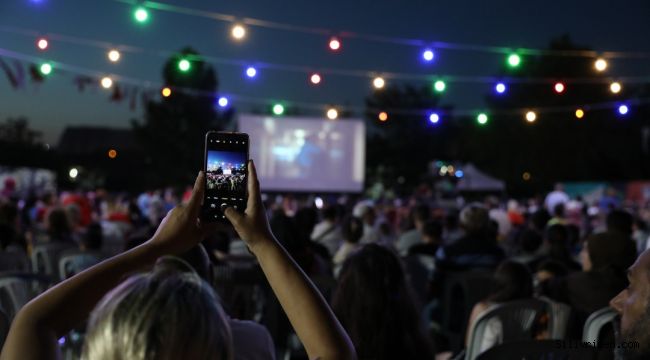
[[226, 174]]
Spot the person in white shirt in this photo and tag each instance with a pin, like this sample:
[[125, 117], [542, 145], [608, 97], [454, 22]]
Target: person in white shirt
[[328, 231], [556, 197]]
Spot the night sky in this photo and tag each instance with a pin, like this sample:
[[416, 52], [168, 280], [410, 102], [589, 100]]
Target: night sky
[[600, 24]]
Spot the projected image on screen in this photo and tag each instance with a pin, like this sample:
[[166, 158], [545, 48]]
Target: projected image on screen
[[226, 171], [306, 154]]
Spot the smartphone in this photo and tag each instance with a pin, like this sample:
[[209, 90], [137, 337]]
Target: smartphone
[[226, 174]]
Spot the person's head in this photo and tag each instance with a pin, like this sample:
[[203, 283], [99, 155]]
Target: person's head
[[558, 210], [352, 230], [421, 214], [512, 281], [165, 314], [58, 225], [432, 232], [557, 240], [539, 219], [369, 216], [330, 213], [92, 239], [559, 187], [610, 249], [550, 269], [474, 219], [375, 304], [633, 305], [529, 241], [620, 221]]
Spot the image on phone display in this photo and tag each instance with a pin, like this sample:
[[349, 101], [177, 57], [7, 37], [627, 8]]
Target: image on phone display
[[226, 174]]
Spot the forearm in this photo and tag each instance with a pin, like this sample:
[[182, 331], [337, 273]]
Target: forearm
[[55, 312], [316, 326]]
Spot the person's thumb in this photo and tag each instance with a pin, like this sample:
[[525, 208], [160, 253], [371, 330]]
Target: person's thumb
[[233, 216]]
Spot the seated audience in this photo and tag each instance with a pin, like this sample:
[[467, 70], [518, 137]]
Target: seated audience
[[376, 306], [328, 232], [431, 240], [604, 260], [420, 215], [557, 248], [512, 281], [477, 248], [170, 314], [352, 232], [530, 243]]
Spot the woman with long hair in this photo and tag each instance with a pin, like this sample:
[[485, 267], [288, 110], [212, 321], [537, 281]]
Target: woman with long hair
[[375, 304]]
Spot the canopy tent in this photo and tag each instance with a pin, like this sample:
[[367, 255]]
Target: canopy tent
[[475, 180]]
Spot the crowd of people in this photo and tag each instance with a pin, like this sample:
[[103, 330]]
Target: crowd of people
[[385, 263], [225, 182]]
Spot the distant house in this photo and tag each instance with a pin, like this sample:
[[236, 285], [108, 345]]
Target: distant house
[[84, 140]]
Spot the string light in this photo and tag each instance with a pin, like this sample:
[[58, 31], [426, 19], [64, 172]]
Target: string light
[[600, 64], [500, 88], [251, 72], [332, 114], [238, 32], [223, 101], [526, 176], [531, 116], [383, 116], [559, 87], [141, 14], [45, 69], [166, 92], [434, 118], [112, 153], [428, 55], [42, 44], [315, 79], [439, 86], [114, 55], [482, 118], [335, 44], [378, 82], [580, 113], [615, 87], [107, 82], [514, 60], [278, 109], [623, 109], [184, 65]]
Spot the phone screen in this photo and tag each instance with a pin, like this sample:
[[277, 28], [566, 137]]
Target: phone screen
[[226, 173]]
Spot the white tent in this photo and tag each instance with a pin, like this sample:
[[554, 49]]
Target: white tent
[[475, 180]]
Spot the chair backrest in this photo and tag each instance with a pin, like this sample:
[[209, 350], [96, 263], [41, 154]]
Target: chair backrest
[[16, 289], [559, 317], [14, 261], [71, 263], [539, 350], [518, 320], [4, 327], [45, 257], [461, 291], [595, 323]]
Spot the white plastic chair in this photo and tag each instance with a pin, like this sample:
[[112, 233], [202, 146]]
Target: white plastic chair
[[595, 322]]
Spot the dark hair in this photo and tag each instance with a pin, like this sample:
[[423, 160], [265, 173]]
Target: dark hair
[[58, 225], [93, 237], [557, 237], [512, 281], [529, 240], [421, 213], [621, 221], [352, 230], [558, 210], [432, 229], [554, 267], [330, 213], [376, 306], [539, 219]]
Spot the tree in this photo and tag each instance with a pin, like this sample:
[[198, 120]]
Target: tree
[[20, 145], [174, 127], [406, 142], [558, 146]]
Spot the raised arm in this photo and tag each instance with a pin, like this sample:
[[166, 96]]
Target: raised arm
[[313, 320], [38, 325]]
